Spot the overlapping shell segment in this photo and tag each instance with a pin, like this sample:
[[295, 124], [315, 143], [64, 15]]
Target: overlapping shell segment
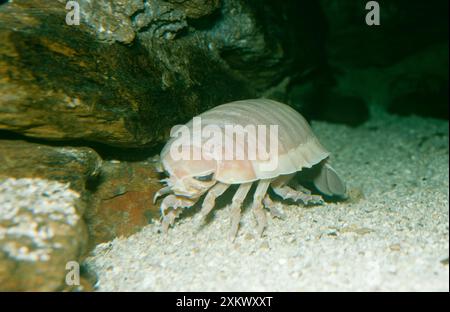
[[288, 143]]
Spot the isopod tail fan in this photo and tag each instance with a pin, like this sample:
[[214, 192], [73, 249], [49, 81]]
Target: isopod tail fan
[[328, 182]]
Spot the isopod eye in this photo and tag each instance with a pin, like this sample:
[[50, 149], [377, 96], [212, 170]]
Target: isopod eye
[[205, 178]]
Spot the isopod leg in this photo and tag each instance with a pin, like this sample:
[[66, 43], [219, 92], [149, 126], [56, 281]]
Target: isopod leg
[[210, 199], [257, 206], [165, 190], [169, 219], [236, 204], [274, 208], [300, 188], [287, 192], [175, 203]]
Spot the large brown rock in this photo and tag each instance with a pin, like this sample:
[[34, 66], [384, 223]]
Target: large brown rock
[[43, 197], [133, 69], [57, 202], [65, 164], [61, 82], [41, 230]]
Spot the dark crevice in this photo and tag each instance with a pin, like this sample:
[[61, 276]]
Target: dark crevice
[[205, 22], [93, 182]]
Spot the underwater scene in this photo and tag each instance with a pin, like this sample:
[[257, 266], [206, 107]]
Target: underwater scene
[[224, 146]]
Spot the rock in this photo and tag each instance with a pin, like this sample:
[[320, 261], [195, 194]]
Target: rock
[[48, 195], [111, 20], [73, 165], [43, 195], [41, 230], [132, 69], [234, 33], [60, 82], [121, 20], [117, 196], [123, 200], [197, 8]]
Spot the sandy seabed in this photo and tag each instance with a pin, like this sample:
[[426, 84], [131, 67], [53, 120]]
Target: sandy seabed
[[391, 235]]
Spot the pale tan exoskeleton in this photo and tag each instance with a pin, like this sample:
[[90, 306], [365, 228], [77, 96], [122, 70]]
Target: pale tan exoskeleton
[[297, 149]]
